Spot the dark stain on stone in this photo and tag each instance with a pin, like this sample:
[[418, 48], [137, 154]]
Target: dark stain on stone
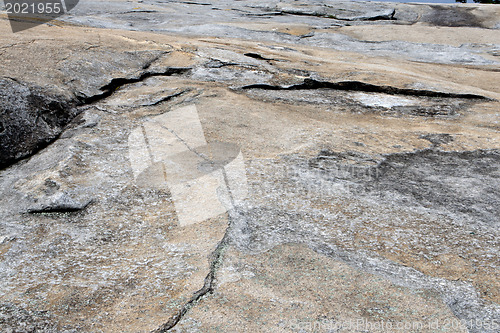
[[459, 182], [452, 17], [462, 183], [437, 139]]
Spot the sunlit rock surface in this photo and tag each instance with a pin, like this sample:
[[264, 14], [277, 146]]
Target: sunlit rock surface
[[236, 166]]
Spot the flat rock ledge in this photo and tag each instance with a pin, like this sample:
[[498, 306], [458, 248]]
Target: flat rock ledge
[[240, 166]]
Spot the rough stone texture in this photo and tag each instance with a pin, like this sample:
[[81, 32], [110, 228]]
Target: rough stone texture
[[29, 119], [369, 143], [293, 289]]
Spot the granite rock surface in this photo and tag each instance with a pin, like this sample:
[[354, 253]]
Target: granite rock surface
[[236, 166]]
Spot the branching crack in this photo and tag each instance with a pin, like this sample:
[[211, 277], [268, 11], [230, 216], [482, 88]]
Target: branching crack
[[117, 83], [208, 286]]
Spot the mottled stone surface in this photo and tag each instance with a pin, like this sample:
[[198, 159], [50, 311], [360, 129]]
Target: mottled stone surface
[[244, 166]]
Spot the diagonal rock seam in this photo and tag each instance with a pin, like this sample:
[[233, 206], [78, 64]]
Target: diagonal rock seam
[[311, 84]]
